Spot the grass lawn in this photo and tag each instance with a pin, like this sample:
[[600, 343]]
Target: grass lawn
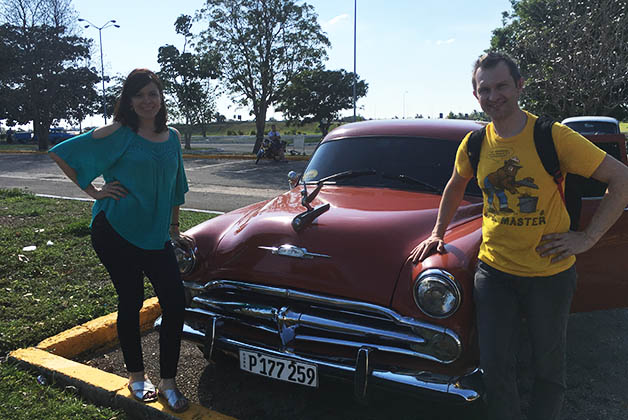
[[58, 285], [623, 127]]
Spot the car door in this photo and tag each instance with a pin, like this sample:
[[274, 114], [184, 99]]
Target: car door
[[603, 270]]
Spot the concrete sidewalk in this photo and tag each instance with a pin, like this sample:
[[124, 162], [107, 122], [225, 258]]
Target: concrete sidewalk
[[52, 358]]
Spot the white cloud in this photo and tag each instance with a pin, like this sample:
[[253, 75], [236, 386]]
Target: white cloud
[[338, 19], [449, 41]]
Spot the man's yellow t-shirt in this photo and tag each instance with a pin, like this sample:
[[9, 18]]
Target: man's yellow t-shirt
[[521, 200]]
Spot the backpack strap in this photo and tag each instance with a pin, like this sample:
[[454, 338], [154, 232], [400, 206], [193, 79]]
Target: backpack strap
[[545, 148], [474, 145]]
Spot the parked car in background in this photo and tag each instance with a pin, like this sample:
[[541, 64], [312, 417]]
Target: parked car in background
[[592, 125], [22, 136], [318, 282], [57, 135]]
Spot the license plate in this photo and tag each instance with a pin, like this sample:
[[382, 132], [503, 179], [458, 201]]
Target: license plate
[[279, 368]]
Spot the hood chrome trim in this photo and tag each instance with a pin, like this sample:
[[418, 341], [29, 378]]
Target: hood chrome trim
[[287, 250]]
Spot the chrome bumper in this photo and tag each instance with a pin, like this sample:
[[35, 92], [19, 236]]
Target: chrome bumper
[[358, 341], [462, 389]]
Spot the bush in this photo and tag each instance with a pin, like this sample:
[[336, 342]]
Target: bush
[[231, 133], [253, 132], [240, 132]]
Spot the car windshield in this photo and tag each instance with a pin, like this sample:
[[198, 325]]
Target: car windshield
[[590, 127], [408, 163]]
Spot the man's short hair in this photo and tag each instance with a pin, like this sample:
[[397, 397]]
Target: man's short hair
[[492, 59]]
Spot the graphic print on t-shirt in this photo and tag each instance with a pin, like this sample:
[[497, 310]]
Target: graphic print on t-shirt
[[504, 179]]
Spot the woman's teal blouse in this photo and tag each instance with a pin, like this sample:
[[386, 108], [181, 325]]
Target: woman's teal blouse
[[152, 173]]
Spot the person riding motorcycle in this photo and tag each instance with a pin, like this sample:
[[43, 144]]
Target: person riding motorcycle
[[275, 142]]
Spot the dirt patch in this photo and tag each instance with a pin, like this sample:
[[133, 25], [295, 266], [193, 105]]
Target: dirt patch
[[225, 388]]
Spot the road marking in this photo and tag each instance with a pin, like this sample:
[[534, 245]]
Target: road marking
[[49, 177], [217, 165], [60, 197], [224, 189], [43, 177]]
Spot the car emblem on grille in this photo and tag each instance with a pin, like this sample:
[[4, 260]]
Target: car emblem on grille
[[288, 250]]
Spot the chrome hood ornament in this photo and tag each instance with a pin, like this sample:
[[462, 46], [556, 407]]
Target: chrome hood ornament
[[302, 220], [293, 251]]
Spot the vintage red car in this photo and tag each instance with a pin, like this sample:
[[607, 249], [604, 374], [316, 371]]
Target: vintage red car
[[317, 282]]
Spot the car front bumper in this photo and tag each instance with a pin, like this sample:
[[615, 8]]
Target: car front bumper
[[368, 345]]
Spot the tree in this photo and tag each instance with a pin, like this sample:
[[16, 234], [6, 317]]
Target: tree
[[474, 116], [42, 79], [262, 44], [186, 78], [113, 93], [319, 95], [573, 54], [206, 110]]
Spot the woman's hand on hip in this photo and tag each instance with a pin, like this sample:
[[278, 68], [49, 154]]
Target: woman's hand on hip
[[113, 190]]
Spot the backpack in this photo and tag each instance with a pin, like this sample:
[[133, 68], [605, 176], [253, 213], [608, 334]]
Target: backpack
[[546, 150]]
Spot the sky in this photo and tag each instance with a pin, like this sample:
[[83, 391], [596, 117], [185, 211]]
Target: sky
[[415, 55]]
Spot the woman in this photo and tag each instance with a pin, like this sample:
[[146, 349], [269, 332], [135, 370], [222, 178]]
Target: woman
[[135, 214]]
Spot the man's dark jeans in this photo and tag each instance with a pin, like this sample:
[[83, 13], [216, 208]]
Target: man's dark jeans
[[501, 301]]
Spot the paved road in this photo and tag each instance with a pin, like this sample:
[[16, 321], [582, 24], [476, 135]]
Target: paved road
[[215, 184]]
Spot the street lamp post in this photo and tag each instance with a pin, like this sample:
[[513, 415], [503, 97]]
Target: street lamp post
[[102, 65], [404, 104], [355, 19]]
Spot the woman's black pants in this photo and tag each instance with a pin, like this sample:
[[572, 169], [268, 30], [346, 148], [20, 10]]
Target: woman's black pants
[[127, 265]]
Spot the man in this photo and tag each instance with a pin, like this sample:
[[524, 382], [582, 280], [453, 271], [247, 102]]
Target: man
[[275, 141], [273, 134], [524, 270]]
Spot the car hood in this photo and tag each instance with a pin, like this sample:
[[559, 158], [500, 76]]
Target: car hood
[[359, 245]]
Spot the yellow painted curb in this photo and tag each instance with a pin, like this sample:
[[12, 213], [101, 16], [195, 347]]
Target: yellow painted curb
[[52, 358], [185, 155], [90, 375], [235, 156], [22, 151], [96, 333], [103, 387]]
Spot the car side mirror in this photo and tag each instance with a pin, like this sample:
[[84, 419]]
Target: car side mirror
[[293, 179]]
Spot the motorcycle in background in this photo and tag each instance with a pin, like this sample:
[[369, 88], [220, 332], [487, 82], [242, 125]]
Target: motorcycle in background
[[270, 149]]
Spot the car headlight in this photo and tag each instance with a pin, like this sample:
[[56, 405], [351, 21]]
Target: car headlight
[[186, 259], [436, 293]]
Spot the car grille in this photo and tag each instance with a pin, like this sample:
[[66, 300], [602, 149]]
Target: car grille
[[315, 326]]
